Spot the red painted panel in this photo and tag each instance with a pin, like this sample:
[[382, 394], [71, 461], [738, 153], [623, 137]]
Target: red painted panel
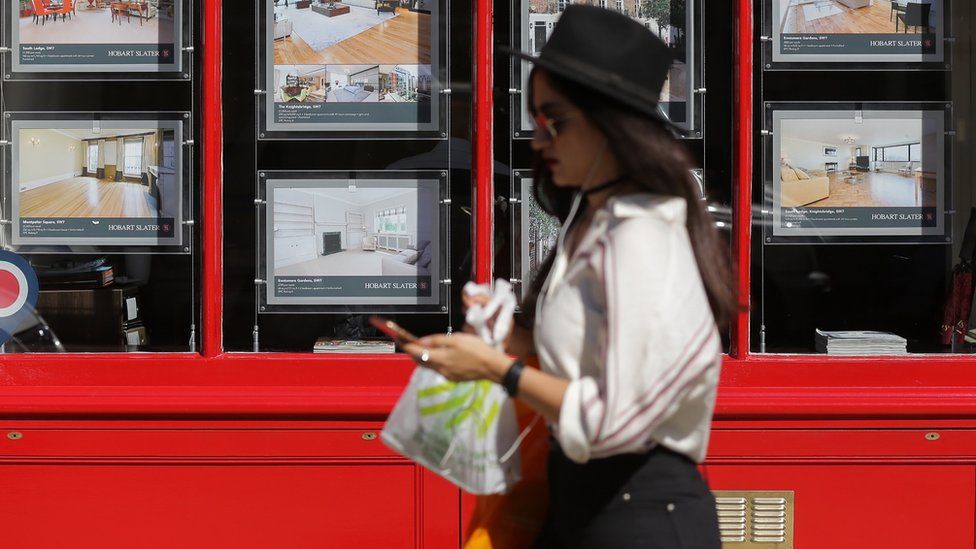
[[200, 506], [858, 507], [842, 444], [195, 443]]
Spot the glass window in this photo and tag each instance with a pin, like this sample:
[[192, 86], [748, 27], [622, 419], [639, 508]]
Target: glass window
[[864, 239], [100, 186]]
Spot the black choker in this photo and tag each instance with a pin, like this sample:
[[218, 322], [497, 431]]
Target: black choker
[[603, 186]]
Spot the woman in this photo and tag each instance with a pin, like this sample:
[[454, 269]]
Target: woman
[[625, 323]]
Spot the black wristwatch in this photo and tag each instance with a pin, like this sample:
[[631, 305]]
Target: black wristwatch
[[511, 379]]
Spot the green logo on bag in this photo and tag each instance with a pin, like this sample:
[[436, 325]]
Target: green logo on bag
[[464, 401]]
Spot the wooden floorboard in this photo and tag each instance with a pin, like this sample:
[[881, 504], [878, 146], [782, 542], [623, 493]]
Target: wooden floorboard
[[877, 189], [875, 19], [87, 197], [404, 39]]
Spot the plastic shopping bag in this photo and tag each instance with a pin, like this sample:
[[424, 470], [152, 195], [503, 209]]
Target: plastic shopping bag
[[514, 520], [465, 432]]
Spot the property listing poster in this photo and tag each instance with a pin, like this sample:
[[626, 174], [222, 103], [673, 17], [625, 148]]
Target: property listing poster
[[63, 36], [104, 183], [670, 20], [353, 242], [858, 31], [351, 65], [858, 173], [540, 232]]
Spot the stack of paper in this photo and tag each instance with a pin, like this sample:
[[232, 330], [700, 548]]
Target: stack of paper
[[352, 346], [860, 342]]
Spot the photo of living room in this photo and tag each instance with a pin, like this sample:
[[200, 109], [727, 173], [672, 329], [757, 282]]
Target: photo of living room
[[857, 16], [96, 22], [347, 230], [351, 32], [300, 84], [111, 173], [352, 83], [876, 163], [404, 83]]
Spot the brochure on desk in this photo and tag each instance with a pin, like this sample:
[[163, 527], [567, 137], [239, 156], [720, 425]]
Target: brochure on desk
[[672, 21], [865, 173], [857, 31], [96, 183], [65, 36], [348, 241], [354, 65]]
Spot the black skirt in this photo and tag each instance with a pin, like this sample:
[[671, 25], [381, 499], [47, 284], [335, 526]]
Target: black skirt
[[656, 500]]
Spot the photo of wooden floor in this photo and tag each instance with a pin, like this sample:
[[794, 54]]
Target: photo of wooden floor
[[88, 197], [878, 190], [404, 38], [835, 17]]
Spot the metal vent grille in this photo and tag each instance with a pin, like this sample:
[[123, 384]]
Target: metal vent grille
[[755, 520]]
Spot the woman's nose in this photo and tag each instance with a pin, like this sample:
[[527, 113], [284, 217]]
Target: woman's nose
[[539, 140]]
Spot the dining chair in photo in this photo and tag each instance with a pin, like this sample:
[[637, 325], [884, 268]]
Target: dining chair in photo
[[119, 9], [897, 6], [42, 11], [916, 15], [65, 10]]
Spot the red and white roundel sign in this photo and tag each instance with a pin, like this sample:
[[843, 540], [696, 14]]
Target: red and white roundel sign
[[18, 292], [13, 289]]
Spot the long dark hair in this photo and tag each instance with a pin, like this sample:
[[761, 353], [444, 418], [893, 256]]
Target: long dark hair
[[653, 161]]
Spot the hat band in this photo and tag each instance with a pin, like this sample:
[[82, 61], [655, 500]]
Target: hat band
[[610, 78]]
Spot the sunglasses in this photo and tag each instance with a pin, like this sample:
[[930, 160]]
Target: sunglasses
[[546, 127]]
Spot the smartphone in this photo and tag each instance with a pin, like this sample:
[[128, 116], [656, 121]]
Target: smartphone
[[392, 329]]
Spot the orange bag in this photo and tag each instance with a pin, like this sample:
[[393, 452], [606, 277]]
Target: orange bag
[[514, 520]]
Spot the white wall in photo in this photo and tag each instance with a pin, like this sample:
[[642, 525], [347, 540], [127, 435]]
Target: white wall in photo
[[47, 156]]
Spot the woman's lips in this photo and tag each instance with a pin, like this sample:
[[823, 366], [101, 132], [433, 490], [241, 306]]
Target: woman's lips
[[551, 162]]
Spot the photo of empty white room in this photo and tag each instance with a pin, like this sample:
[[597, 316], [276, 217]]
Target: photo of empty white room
[[346, 229], [109, 173]]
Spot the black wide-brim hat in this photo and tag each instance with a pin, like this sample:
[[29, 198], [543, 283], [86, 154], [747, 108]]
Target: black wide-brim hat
[[609, 53]]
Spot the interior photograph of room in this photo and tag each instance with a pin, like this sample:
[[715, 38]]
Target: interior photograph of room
[[351, 32], [657, 16], [352, 83], [96, 22], [856, 16], [349, 231], [78, 173], [404, 83], [300, 84], [840, 163]]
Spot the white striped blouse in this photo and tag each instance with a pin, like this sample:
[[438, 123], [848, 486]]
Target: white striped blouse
[[627, 321]]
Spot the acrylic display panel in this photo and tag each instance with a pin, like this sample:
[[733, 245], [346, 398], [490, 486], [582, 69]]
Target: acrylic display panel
[[357, 66], [82, 181], [674, 21], [856, 33], [368, 240], [538, 232], [839, 171], [96, 36]]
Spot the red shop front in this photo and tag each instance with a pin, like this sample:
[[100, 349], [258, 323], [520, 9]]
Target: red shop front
[[201, 417]]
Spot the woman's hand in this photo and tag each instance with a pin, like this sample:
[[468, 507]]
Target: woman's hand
[[460, 357]]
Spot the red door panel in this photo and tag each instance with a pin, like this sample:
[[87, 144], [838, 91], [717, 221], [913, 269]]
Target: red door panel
[[209, 506], [867, 507]]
